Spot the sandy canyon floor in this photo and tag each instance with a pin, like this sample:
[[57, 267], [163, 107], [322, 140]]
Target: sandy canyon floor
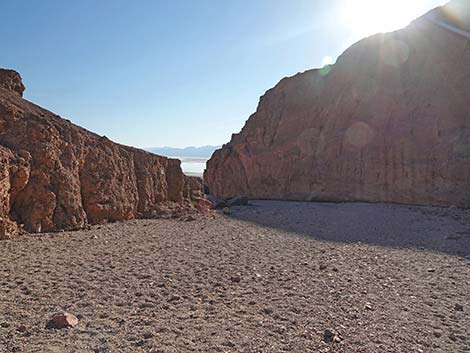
[[272, 277]]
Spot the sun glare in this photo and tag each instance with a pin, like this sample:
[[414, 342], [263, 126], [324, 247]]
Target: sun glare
[[367, 17], [327, 60]]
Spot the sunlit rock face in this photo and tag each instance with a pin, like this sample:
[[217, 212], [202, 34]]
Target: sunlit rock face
[[55, 175], [389, 122], [11, 81]]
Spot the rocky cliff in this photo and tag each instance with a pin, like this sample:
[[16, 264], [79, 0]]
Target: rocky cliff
[[389, 122], [55, 175]]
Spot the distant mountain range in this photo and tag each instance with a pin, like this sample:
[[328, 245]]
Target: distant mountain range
[[198, 152]]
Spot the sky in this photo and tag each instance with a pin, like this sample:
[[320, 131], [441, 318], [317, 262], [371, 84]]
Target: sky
[[178, 72]]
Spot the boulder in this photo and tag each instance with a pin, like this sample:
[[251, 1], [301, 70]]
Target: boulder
[[388, 122], [216, 202], [62, 320], [204, 205], [238, 201]]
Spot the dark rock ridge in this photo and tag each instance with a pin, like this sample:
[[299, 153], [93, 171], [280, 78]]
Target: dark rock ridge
[[389, 122], [56, 176]]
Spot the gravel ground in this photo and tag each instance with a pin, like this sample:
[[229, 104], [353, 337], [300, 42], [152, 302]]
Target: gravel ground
[[272, 277]]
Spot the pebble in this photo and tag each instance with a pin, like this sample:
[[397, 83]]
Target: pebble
[[236, 279], [190, 218], [228, 344], [62, 320], [21, 328], [268, 311], [331, 336], [140, 343], [174, 298]]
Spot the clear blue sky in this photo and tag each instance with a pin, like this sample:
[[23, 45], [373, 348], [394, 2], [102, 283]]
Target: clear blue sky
[[174, 72]]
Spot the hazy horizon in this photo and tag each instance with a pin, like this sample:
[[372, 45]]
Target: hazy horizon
[[158, 73]]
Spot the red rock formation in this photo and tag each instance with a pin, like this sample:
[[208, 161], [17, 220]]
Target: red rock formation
[[7, 228], [389, 122], [11, 81], [55, 175]]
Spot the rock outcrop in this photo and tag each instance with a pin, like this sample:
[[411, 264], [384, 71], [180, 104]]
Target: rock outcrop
[[56, 176], [389, 122], [11, 81]]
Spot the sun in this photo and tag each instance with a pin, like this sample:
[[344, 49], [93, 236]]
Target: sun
[[367, 17]]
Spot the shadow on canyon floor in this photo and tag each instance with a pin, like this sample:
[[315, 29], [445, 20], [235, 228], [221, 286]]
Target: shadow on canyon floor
[[401, 226]]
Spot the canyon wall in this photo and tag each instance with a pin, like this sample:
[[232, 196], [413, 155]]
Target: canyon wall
[[388, 122], [56, 176]]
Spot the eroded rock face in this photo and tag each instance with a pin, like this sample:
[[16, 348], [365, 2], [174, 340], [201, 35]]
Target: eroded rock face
[[11, 81], [389, 122], [7, 228], [55, 175]]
